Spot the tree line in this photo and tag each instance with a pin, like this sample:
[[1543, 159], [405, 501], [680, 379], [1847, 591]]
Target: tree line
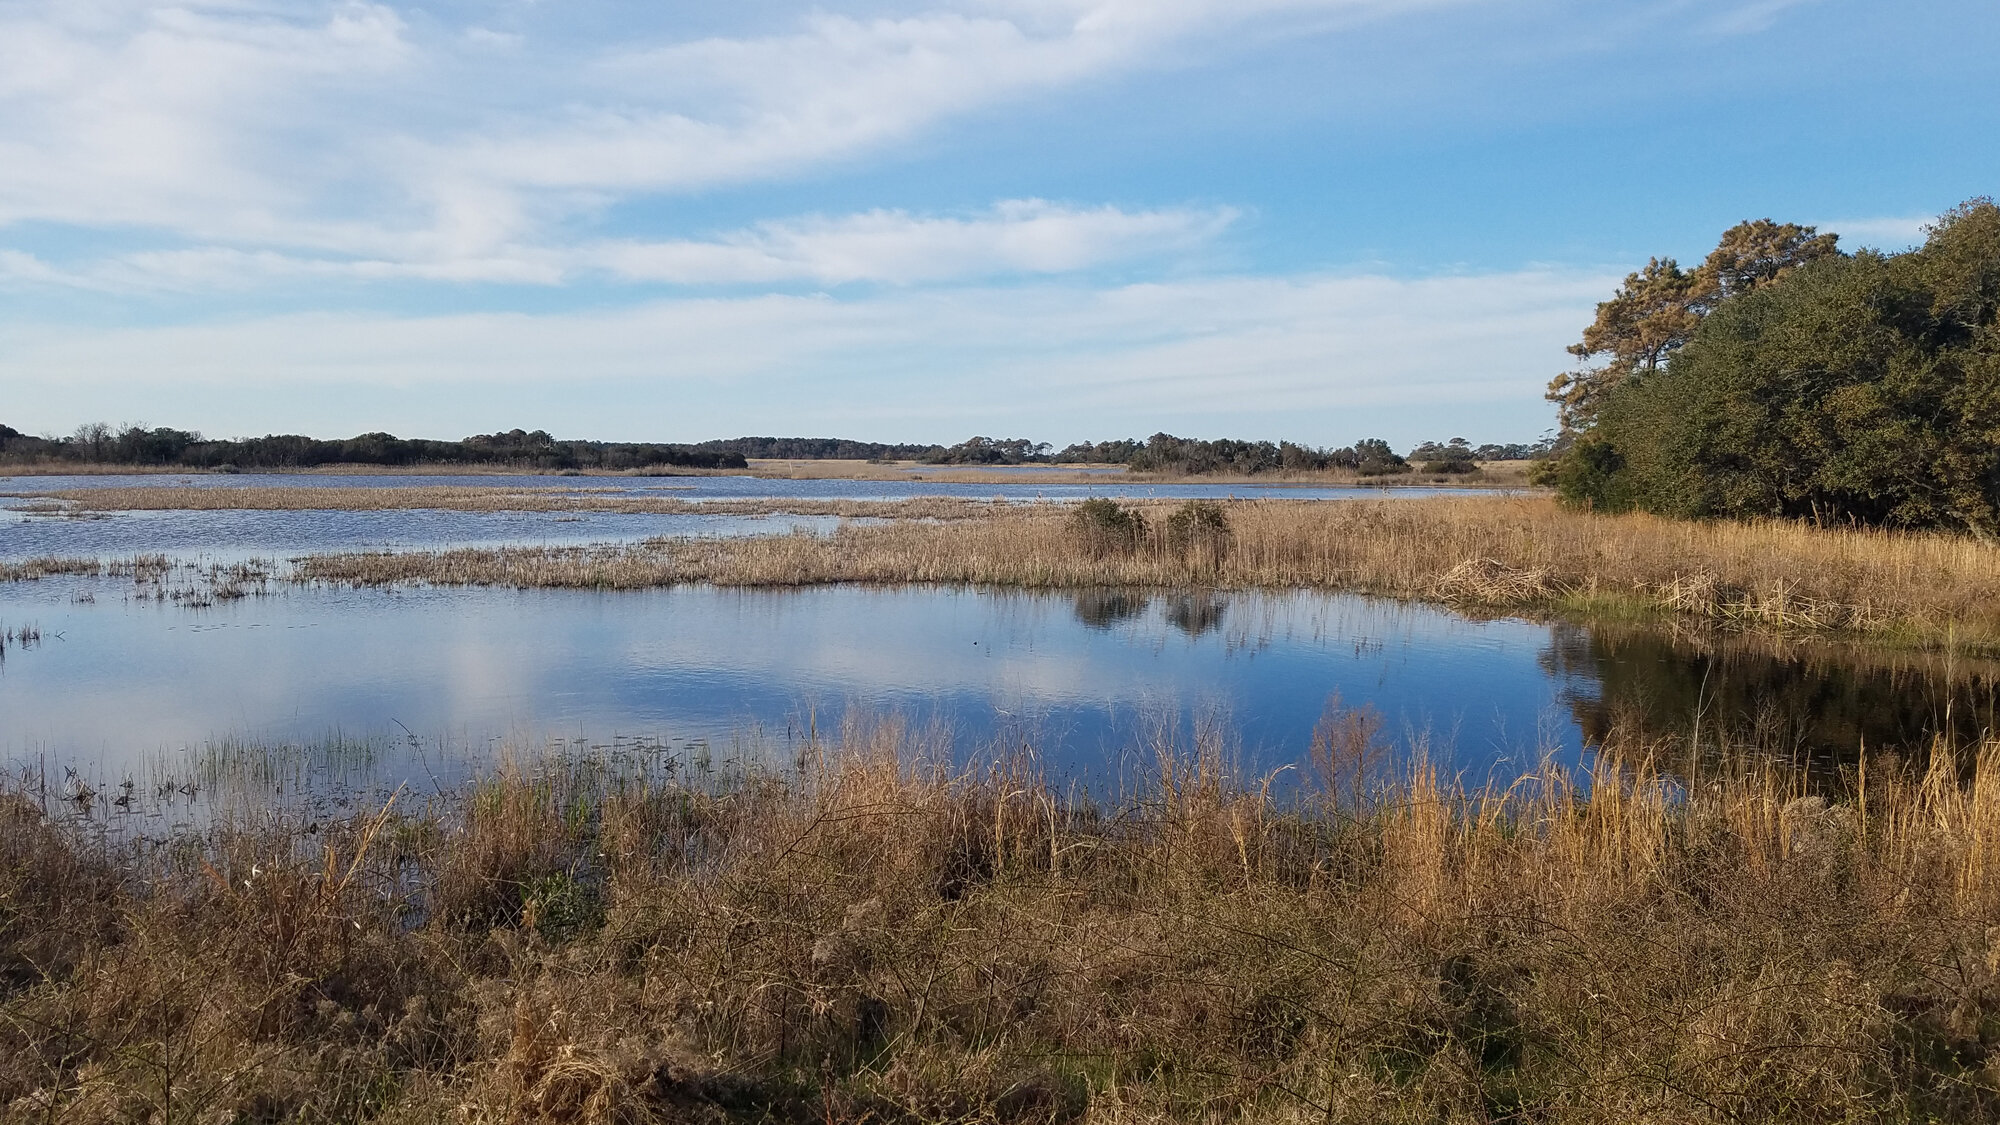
[[1786, 378], [101, 444]]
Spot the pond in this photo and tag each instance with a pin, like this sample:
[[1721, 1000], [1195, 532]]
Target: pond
[[429, 683]]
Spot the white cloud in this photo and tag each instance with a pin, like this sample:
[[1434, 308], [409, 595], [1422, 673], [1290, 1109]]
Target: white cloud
[[1879, 233], [342, 128], [1022, 236], [1019, 236], [1294, 351]]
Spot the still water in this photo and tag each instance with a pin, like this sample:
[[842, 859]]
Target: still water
[[103, 686], [234, 535], [115, 685]]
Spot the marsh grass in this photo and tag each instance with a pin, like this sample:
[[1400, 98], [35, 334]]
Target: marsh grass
[[1484, 554], [875, 935]]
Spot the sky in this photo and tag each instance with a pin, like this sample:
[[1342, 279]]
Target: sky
[[1314, 220]]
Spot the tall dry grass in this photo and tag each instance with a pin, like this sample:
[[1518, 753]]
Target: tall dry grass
[[881, 937], [1500, 553]]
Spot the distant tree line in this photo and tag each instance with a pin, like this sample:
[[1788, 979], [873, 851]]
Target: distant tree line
[[1165, 453], [137, 445], [814, 449], [1785, 378], [1162, 453]]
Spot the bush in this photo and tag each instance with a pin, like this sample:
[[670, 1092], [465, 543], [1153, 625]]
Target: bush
[[1105, 527], [1450, 466], [1199, 527]]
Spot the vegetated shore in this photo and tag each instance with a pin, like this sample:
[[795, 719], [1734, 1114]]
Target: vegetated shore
[[1494, 553], [1489, 553], [878, 937], [1490, 474]]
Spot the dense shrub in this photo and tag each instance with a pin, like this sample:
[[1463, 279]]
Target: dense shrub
[[1103, 526], [1858, 389]]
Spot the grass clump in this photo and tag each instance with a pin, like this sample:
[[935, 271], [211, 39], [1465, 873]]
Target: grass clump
[[1199, 530], [878, 936]]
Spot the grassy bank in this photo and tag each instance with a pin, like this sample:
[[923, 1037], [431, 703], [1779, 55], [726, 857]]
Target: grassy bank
[[875, 938], [1493, 553]]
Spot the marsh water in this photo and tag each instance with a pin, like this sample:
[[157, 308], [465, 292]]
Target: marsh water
[[231, 535], [110, 688]]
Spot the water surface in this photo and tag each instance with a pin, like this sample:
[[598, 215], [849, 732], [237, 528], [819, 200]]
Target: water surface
[[1083, 679]]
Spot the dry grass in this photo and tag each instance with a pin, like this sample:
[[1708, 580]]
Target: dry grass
[[474, 498], [1491, 553], [878, 938]]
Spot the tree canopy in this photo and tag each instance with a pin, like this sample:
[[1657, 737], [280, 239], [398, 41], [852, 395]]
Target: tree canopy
[[1859, 388], [1658, 308]]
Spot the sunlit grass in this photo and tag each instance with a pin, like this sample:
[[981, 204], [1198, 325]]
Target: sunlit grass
[[1504, 553], [873, 933]]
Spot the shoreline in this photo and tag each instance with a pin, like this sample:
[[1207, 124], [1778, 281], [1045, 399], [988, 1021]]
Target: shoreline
[[1482, 554]]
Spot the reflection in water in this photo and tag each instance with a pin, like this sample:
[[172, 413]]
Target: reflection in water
[[1084, 678], [1103, 608], [1820, 705], [1195, 614]]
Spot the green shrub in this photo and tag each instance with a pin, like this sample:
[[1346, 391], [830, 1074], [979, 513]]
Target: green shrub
[[1104, 526]]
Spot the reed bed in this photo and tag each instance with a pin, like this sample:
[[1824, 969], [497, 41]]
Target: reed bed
[[1511, 554], [473, 498], [877, 936]]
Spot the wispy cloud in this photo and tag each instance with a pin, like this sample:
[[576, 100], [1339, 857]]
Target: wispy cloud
[[1016, 237], [1881, 233], [1747, 17], [1029, 236], [343, 127]]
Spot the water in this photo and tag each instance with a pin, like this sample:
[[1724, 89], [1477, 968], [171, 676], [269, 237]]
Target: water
[[426, 684], [233, 535], [431, 677], [229, 536]]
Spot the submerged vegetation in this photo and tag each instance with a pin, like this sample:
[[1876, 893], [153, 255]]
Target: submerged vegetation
[[878, 936]]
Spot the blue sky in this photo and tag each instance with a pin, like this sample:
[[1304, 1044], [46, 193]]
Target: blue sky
[[1065, 219]]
